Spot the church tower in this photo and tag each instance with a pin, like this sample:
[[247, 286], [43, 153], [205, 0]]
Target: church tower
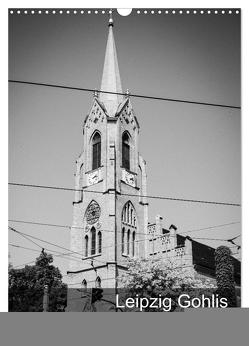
[[110, 212]]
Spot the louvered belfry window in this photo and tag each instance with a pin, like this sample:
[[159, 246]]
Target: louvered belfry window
[[126, 151], [96, 154]]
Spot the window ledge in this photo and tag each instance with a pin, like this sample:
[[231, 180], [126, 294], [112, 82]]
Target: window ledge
[[91, 256], [128, 225], [129, 170], [94, 170], [85, 186], [128, 256]]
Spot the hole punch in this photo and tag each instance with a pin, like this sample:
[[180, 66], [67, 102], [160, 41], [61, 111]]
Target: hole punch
[[124, 11]]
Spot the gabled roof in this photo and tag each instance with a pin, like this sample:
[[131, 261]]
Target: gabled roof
[[101, 105]]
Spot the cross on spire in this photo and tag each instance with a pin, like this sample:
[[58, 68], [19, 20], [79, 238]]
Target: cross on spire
[[110, 22]]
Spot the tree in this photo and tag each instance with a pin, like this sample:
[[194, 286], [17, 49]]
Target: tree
[[165, 278], [225, 275], [26, 286]]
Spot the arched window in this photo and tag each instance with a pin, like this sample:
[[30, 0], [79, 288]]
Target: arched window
[[99, 242], [128, 242], [93, 241], [98, 282], [126, 151], [86, 246], [133, 243], [129, 228], [96, 151], [123, 240], [84, 283]]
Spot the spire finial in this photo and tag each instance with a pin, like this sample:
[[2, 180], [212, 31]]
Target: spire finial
[[110, 22]]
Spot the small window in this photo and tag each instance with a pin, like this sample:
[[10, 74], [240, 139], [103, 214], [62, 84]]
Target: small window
[[126, 151], [128, 242], [123, 240], [133, 243], [98, 282], [96, 151], [86, 246], [93, 242], [99, 242], [84, 283]]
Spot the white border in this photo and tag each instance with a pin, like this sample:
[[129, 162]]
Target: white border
[[119, 4]]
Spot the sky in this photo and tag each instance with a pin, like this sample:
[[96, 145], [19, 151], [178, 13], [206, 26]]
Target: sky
[[192, 151]]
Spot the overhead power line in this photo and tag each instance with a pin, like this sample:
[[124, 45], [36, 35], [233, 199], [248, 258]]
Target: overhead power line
[[217, 239], [55, 253], [158, 98], [50, 243], [212, 227], [27, 237], [68, 254], [28, 222], [59, 225], [23, 247], [104, 247], [127, 194]]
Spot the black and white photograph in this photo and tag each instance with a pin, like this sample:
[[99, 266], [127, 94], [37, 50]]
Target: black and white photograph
[[124, 159]]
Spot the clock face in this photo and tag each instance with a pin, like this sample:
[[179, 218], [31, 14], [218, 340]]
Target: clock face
[[92, 213], [93, 178], [129, 179]]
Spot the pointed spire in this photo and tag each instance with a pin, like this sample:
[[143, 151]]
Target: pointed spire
[[111, 78]]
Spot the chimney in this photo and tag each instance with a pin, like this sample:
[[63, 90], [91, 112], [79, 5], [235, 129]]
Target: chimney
[[173, 240], [159, 224]]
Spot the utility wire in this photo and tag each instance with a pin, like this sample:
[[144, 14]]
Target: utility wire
[[88, 259], [215, 238], [105, 247], [24, 236], [47, 242], [166, 235], [130, 95], [23, 247], [211, 227], [67, 226], [55, 253], [126, 194], [106, 230], [59, 225], [59, 254], [78, 259]]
